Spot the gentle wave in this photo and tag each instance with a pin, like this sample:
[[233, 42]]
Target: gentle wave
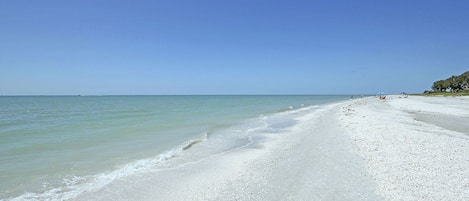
[[111, 122], [75, 186]]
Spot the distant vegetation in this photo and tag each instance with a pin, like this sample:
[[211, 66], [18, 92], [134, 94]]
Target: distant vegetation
[[456, 84]]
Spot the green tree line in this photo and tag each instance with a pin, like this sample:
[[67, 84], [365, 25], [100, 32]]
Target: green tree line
[[453, 83]]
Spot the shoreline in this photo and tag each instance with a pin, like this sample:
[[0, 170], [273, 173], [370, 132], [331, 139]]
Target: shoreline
[[59, 148], [308, 161], [361, 149]]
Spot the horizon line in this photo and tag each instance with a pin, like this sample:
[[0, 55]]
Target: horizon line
[[82, 95]]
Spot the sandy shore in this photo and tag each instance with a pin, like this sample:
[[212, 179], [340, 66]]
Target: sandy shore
[[365, 149], [415, 148]]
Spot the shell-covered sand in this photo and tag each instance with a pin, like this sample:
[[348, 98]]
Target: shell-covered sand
[[415, 148]]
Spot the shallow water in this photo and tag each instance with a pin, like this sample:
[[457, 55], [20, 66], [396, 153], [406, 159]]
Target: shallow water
[[59, 147]]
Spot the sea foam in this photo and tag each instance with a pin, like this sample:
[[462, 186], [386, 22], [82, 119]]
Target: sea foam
[[75, 185]]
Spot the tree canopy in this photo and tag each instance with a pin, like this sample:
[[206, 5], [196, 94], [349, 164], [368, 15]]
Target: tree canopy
[[455, 83]]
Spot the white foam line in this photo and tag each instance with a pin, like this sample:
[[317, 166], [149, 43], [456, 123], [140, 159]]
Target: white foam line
[[208, 157], [103, 179]]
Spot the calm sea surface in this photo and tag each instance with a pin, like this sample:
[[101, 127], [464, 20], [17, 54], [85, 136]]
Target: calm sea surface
[[56, 147]]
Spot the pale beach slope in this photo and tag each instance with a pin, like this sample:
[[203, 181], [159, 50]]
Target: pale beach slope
[[312, 160], [416, 148], [412, 148]]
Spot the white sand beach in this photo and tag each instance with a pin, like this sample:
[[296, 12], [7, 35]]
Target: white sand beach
[[414, 148]]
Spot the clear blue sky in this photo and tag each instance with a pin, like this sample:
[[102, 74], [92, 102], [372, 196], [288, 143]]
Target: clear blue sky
[[230, 47]]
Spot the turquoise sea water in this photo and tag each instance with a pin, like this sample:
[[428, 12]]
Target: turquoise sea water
[[57, 147]]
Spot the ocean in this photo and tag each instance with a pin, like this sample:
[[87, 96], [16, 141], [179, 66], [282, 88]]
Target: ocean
[[59, 147]]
